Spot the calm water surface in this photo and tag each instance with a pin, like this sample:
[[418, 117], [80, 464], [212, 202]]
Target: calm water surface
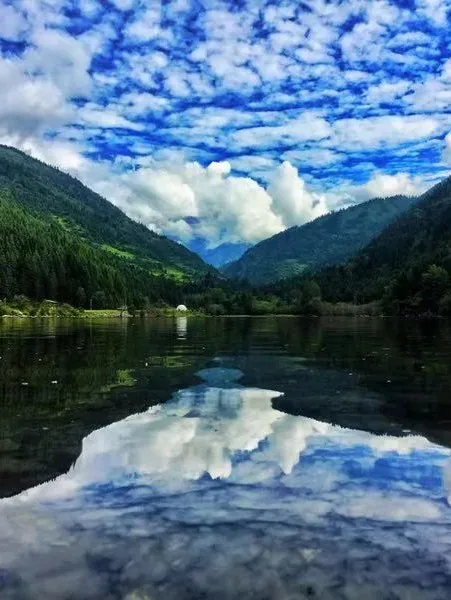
[[225, 458]]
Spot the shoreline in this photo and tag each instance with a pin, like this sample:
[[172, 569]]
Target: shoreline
[[126, 317]]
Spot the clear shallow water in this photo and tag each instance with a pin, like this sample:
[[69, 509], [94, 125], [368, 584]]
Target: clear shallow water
[[218, 492]]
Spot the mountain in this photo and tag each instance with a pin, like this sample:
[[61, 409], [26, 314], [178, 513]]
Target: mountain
[[61, 241], [52, 193], [219, 256], [328, 240], [408, 265]]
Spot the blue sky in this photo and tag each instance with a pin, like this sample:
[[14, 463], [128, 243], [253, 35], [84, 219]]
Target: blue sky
[[228, 121]]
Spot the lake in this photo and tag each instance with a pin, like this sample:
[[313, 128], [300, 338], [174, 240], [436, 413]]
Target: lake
[[225, 458]]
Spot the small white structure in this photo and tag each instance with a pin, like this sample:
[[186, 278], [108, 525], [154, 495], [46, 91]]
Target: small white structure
[[181, 308]]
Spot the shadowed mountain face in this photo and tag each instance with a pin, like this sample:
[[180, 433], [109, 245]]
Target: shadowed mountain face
[[216, 494], [329, 240], [394, 264]]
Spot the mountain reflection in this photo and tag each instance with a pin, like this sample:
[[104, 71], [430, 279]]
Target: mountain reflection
[[215, 494]]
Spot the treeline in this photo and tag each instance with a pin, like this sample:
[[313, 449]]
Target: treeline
[[417, 290], [228, 298], [41, 260]]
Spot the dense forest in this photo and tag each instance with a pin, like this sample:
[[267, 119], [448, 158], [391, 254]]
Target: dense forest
[[40, 259], [328, 240], [406, 268], [53, 194]]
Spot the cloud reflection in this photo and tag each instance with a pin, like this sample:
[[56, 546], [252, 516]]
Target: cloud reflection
[[216, 494]]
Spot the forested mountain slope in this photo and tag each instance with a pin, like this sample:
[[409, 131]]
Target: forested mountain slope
[[50, 192], [42, 260], [408, 264], [329, 240]]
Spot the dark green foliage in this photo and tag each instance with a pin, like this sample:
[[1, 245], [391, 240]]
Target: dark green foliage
[[328, 240], [407, 267], [50, 192], [40, 259], [309, 298]]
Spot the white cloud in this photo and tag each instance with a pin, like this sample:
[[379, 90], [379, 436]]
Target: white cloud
[[28, 105], [313, 157], [146, 25], [303, 128], [362, 42], [435, 10], [226, 208], [177, 85], [105, 117], [253, 164], [12, 23], [219, 94], [387, 91], [229, 208], [433, 93], [139, 104], [64, 59], [410, 38], [381, 185], [65, 155], [446, 155], [390, 130], [291, 200], [123, 4]]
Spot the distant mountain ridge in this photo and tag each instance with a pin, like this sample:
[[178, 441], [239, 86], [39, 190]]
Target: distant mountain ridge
[[328, 240], [219, 256]]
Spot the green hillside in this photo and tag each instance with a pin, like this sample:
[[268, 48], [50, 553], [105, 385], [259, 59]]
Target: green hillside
[[408, 265], [61, 241], [46, 190], [328, 240], [40, 259]]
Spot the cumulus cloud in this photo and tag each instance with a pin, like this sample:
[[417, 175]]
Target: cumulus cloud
[[124, 4], [291, 199], [66, 155], [190, 200], [66, 60], [387, 91], [146, 25], [435, 10], [300, 129], [433, 93], [381, 185]]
